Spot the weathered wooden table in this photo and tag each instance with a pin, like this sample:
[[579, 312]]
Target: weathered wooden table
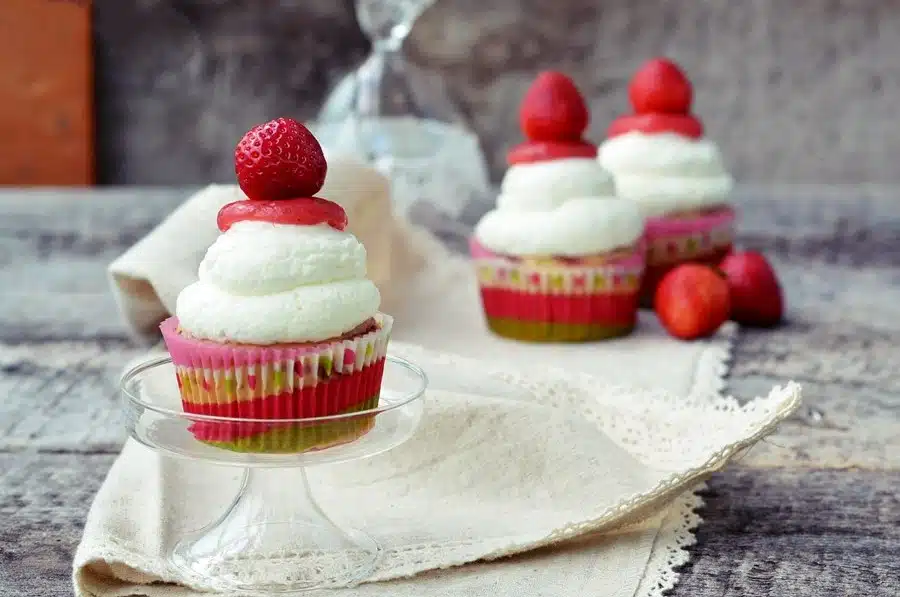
[[815, 510]]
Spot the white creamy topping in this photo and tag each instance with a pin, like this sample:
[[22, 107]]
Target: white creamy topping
[[667, 173], [561, 207], [263, 283]]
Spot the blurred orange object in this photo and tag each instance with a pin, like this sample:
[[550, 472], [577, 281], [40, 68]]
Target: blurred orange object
[[46, 93]]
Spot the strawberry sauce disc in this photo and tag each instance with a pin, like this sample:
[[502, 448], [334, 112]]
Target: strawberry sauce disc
[[680, 124], [307, 211], [542, 151]]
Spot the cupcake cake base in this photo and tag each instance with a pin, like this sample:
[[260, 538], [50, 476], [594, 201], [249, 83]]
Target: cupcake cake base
[[259, 386], [277, 438], [536, 331], [560, 300]]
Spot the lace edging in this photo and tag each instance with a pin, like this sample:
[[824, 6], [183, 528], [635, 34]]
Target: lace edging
[[677, 535]]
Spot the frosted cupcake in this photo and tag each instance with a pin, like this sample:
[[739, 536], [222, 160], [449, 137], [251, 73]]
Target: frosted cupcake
[[560, 258], [660, 159], [282, 322]]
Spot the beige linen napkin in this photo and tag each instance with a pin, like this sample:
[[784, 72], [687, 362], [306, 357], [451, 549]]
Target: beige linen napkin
[[515, 460], [503, 462]]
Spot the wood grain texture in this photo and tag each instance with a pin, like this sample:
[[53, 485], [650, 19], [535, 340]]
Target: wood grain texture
[[54, 249], [798, 533], [46, 91], [63, 396], [44, 500], [838, 426], [811, 511]]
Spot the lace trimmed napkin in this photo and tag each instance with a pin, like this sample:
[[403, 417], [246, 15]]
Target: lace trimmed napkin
[[505, 461]]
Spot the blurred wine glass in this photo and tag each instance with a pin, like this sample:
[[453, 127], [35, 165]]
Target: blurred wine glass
[[403, 120]]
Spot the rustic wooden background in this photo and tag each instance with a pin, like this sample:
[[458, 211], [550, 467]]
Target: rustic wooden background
[[46, 93], [794, 91]]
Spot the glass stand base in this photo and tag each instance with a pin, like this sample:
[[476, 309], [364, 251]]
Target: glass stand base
[[275, 539]]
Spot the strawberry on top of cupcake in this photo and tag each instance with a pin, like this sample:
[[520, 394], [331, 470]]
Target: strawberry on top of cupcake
[[659, 155], [282, 322], [284, 269], [560, 256], [555, 199]]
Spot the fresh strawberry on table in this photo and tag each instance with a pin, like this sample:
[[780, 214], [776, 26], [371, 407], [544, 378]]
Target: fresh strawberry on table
[[757, 299], [692, 301]]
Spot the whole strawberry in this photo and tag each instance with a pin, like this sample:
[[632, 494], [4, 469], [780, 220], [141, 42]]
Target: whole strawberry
[[660, 94], [660, 86], [692, 301], [553, 109], [280, 159], [756, 296]]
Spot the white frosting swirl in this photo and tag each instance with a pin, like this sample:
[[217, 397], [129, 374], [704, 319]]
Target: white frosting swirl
[[667, 173], [561, 208], [263, 283]]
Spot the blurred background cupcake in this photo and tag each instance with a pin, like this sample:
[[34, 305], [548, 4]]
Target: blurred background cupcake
[[661, 160], [560, 258]]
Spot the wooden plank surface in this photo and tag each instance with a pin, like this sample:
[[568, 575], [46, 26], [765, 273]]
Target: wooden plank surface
[[785, 532], [797, 532], [812, 511], [46, 90]]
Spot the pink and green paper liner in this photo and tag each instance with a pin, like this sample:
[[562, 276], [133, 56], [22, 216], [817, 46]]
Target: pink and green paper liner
[[559, 302], [268, 384], [704, 238]]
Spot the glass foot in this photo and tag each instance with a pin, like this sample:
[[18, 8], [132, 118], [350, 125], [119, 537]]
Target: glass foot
[[275, 539]]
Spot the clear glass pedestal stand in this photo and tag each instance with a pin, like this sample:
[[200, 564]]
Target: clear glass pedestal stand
[[274, 538]]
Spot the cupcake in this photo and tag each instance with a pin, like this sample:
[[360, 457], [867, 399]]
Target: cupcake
[[661, 160], [282, 322], [560, 258]]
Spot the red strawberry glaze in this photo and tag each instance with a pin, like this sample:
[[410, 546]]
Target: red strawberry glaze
[[542, 151], [681, 124], [309, 211]]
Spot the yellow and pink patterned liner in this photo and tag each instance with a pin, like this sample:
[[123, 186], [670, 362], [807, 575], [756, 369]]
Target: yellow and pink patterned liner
[[266, 385]]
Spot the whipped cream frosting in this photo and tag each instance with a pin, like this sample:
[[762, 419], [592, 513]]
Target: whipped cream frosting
[[667, 173], [263, 283], [564, 207]]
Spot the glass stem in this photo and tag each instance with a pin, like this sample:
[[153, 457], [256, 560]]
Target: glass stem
[[388, 45], [385, 62]]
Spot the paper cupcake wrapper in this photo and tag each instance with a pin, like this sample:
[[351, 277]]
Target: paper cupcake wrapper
[[676, 240], [556, 301], [275, 438], [705, 238], [278, 382]]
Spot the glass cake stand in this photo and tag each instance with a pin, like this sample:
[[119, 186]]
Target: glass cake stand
[[248, 549]]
